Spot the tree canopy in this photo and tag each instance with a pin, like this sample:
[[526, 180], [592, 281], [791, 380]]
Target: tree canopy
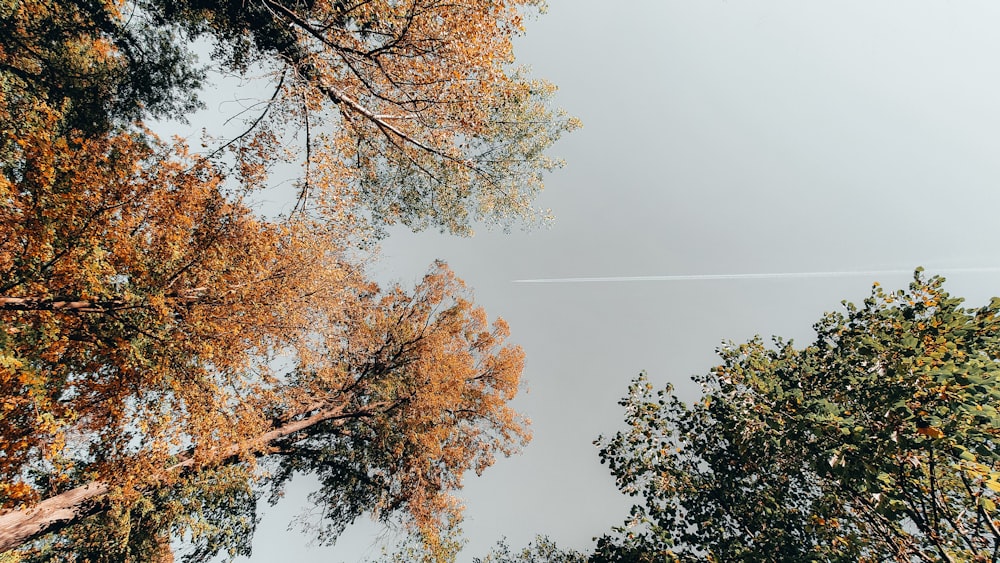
[[146, 334], [542, 550], [166, 353], [877, 442], [413, 107]]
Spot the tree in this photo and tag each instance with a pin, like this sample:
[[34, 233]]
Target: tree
[[91, 62], [163, 348], [414, 106], [167, 305], [875, 443], [542, 550], [403, 400], [433, 126]]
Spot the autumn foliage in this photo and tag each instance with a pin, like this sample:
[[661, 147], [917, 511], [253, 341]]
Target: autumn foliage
[[164, 348]]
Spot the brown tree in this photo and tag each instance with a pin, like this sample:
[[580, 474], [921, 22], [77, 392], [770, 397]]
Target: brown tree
[[160, 342], [142, 313]]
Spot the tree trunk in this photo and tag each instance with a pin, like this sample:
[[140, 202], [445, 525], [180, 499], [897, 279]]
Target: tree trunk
[[21, 526], [74, 305]]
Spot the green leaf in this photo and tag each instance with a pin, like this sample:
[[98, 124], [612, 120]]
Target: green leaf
[[987, 504]]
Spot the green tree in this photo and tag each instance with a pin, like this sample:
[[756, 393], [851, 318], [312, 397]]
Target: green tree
[[542, 550], [875, 443], [92, 62]]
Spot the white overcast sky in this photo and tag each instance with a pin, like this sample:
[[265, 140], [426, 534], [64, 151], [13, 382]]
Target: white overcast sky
[[720, 137]]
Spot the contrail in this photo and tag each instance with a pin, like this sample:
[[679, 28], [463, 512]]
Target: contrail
[[762, 276]]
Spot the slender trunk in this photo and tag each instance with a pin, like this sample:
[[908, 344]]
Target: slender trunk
[[20, 526], [59, 304], [73, 305]]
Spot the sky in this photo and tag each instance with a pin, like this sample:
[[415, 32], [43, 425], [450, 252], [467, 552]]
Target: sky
[[720, 138]]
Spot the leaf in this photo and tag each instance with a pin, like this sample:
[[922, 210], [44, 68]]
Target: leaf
[[987, 504], [930, 432]]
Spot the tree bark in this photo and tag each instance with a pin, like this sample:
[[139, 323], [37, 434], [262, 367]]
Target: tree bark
[[20, 526]]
